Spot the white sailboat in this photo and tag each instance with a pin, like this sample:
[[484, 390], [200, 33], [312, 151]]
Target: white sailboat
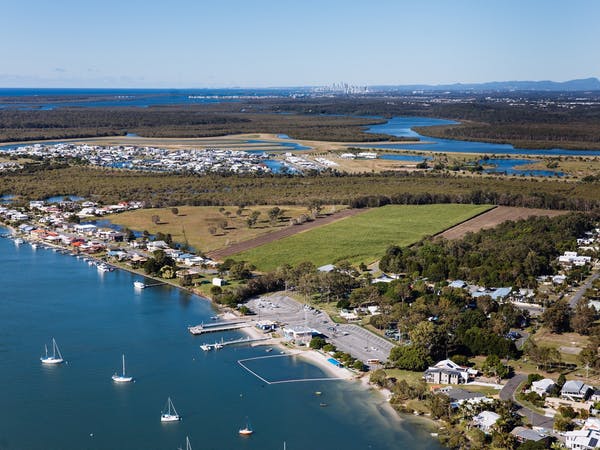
[[56, 357], [122, 378], [171, 415], [246, 431]]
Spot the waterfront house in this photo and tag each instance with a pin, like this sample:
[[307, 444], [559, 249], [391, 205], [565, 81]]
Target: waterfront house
[[156, 245], [448, 372], [485, 420], [542, 387], [459, 396], [576, 390]]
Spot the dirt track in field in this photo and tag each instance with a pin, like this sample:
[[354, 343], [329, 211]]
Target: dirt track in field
[[495, 217], [279, 234]]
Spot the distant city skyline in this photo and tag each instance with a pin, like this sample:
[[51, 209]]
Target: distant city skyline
[[268, 43]]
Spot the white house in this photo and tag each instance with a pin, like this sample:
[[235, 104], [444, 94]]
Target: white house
[[582, 439], [542, 387], [448, 372], [485, 420]]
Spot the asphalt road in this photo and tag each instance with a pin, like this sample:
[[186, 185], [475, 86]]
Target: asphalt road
[[353, 339], [508, 393], [573, 301]]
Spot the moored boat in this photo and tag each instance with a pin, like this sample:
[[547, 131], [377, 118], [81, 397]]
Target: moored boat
[[122, 378], [55, 358], [171, 415]]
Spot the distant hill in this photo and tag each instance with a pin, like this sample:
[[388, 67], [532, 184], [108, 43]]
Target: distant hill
[[585, 84]]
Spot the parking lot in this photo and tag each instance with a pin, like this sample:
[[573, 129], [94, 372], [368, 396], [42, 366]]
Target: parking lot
[[353, 339]]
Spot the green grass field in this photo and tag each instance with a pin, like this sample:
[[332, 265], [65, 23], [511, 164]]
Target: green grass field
[[361, 238]]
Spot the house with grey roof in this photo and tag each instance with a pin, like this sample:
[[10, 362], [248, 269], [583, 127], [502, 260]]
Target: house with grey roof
[[523, 434], [576, 390]]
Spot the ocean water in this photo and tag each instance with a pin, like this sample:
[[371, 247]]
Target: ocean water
[[96, 317], [48, 99]]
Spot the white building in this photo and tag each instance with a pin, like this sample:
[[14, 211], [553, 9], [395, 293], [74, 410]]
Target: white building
[[582, 439], [542, 387], [485, 420]]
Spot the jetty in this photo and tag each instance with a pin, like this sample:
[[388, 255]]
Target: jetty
[[220, 345], [218, 326]]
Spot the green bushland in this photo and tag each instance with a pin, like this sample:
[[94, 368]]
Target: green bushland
[[181, 122], [360, 238], [357, 190]]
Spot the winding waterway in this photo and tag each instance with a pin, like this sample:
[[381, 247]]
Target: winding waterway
[[96, 317], [403, 127]]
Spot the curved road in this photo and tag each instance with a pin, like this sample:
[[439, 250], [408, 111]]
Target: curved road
[[508, 393]]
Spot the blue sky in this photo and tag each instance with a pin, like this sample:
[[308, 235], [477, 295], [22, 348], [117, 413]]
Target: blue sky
[[260, 43]]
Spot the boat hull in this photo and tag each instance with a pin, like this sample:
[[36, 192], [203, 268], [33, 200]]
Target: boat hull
[[120, 379], [52, 360], [170, 418]]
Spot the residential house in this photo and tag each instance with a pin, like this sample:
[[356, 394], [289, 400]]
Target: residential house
[[448, 372], [459, 396], [543, 387], [485, 420], [523, 434], [582, 439], [575, 390]]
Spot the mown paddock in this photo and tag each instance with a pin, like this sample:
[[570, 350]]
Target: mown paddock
[[363, 237]]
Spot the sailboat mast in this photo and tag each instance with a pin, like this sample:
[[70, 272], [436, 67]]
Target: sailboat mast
[[123, 365]]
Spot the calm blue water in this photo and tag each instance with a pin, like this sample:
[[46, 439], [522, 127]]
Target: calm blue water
[[507, 166], [95, 318], [97, 98], [402, 127]]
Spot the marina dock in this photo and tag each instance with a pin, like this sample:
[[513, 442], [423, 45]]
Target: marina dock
[[220, 326], [220, 345]]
